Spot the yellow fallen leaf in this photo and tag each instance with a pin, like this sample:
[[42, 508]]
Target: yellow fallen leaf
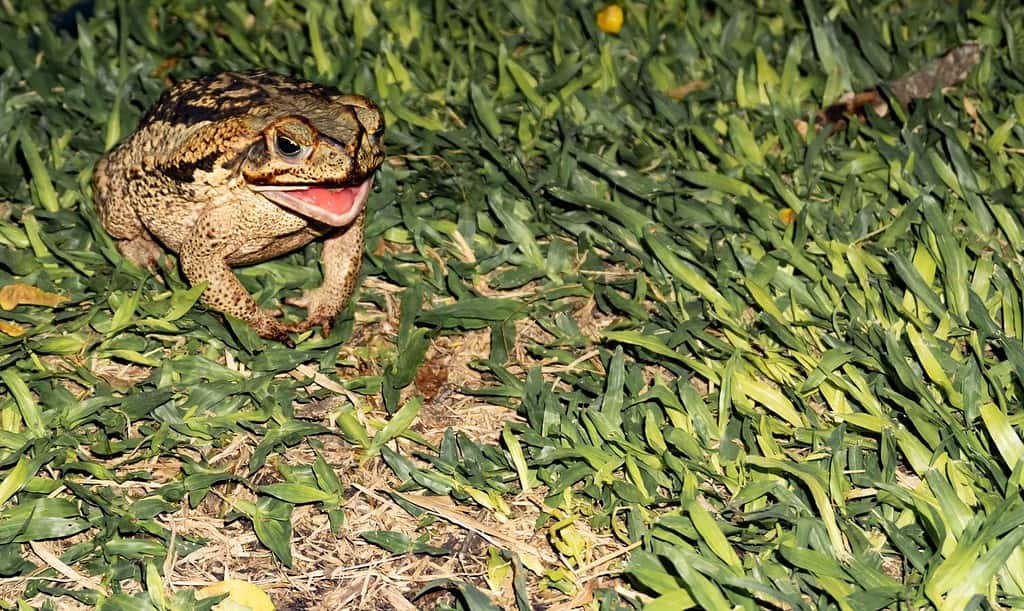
[[242, 596], [11, 329], [19, 293]]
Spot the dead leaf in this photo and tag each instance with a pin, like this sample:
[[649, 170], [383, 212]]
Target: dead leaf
[[431, 376], [164, 67], [972, 111], [680, 92], [14, 295], [852, 104], [11, 329], [943, 73], [801, 128]]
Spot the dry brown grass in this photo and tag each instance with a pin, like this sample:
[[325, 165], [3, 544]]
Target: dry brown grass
[[343, 571]]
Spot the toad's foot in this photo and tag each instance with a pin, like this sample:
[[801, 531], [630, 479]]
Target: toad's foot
[[267, 326], [321, 310], [143, 252]]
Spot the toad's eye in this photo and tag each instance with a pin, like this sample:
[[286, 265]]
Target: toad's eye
[[286, 146]]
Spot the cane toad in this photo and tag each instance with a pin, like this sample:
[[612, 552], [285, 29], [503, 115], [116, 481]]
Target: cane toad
[[238, 168]]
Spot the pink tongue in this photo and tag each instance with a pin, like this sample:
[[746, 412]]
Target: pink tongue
[[335, 201]]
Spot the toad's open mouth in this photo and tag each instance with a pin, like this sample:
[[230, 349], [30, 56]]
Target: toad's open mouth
[[336, 207]]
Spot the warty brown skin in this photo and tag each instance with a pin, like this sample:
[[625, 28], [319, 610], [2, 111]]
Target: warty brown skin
[[182, 182]]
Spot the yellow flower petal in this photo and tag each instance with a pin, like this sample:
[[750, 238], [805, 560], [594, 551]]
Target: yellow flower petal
[[609, 19], [787, 216]]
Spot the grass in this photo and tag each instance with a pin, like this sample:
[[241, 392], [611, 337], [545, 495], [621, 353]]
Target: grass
[[625, 338]]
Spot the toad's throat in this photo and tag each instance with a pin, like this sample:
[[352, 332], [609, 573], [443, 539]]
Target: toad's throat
[[337, 207]]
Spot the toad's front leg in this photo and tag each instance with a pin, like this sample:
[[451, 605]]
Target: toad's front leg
[[203, 259], [342, 257]]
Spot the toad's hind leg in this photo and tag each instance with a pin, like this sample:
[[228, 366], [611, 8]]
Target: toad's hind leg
[[134, 241], [342, 257]]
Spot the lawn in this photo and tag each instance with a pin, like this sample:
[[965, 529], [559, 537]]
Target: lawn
[[638, 325]]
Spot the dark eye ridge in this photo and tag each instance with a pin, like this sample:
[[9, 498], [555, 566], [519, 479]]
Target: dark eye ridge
[[286, 146]]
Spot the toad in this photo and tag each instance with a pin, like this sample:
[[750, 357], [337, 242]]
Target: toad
[[237, 168]]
